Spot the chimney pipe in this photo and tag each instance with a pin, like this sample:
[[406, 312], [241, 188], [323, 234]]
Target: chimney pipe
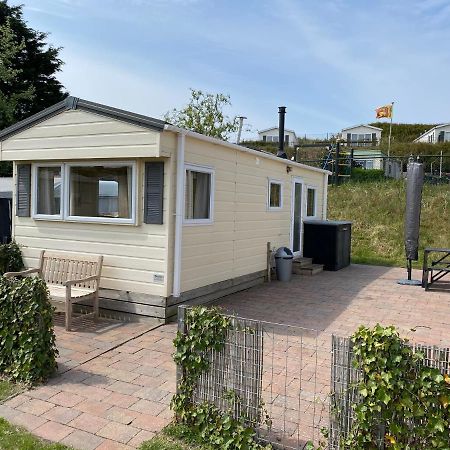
[[282, 112]]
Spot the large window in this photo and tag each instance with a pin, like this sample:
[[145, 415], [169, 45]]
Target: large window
[[311, 202], [275, 200], [361, 140], [199, 189], [48, 183], [85, 192], [100, 191]]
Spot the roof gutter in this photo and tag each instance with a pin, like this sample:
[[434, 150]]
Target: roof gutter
[[257, 153]]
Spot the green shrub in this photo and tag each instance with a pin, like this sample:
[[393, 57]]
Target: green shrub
[[10, 258], [27, 340], [367, 174]]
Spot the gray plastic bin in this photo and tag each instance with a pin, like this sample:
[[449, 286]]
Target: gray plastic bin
[[283, 264]]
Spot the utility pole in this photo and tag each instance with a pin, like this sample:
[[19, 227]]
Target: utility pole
[[241, 123]]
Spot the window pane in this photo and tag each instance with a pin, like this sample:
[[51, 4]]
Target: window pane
[[198, 195], [100, 191], [275, 195], [311, 202], [49, 190]]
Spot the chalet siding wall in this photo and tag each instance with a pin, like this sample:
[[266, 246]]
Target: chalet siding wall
[[132, 254], [77, 134], [235, 244]]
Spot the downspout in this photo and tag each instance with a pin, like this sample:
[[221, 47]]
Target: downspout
[[179, 202]]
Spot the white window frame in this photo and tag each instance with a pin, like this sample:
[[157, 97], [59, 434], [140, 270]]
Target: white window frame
[[65, 193], [34, 190], [117, 220], [314, 188], [279, 182], [211, 172]]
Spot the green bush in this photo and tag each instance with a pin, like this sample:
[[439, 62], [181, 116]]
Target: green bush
[[10, 258], [367, 174], [27, 340]]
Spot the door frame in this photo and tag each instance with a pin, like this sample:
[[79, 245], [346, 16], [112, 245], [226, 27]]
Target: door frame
[[297, 180]]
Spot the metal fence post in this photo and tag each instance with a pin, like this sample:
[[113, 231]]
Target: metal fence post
[[182, 328]]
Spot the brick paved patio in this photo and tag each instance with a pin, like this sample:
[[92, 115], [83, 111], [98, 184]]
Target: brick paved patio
[[116, 380]]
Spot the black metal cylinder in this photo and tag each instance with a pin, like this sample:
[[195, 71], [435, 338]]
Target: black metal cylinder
[[282, 112]]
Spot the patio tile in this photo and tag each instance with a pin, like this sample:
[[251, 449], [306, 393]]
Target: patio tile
[[35, 406], [28, 421], [141, 437], [93, 407], [148, 407], [61, 414], [66, 399], [113, 445], [53, 431], [118, 432], [81, 440], [88, 422], [150, 423], [121, 415]]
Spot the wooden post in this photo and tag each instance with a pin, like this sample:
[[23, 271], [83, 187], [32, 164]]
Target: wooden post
[[182, 328], [269, 263]]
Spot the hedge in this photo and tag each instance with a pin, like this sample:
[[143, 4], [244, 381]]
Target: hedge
[[10, 258], [27, 340], [367, 174]]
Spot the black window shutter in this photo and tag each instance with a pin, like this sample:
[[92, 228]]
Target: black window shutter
[[374, 138], [349, 139], [264, 138], [23, 198], [441, 136], [154, 191]]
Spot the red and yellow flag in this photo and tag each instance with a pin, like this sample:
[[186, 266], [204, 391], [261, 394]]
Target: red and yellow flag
[[384, 112]]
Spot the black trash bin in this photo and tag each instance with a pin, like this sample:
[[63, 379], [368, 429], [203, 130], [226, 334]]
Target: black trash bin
[[283, 264]]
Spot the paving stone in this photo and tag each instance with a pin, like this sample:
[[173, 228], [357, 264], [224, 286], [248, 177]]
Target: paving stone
[[28, 421], [53, 431], [118, 432], [150, 423], [88, 422], [141, 437], [121, 415], [35, 406], [61, 414], [81, 440], [66, 399]]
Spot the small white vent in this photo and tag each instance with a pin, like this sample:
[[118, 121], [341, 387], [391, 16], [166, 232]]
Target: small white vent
[[158, 278]]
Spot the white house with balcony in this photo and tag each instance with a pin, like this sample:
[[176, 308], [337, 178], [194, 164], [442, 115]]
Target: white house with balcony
[[439, 133], [271, 135], [361, 135]]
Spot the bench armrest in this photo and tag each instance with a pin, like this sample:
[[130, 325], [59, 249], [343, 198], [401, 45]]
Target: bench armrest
[[81, 280], [21, 273]]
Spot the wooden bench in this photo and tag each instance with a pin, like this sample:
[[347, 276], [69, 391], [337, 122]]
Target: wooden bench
[[435, 269], [70, 278]]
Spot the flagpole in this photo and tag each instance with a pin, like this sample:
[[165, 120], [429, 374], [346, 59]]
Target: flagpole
[[390, 131]]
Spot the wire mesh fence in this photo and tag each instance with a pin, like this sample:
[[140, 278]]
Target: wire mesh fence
[[274, 376], [344, 378]]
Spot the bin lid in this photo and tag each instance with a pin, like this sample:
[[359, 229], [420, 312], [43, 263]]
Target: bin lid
[[328, 222], [284, 252]]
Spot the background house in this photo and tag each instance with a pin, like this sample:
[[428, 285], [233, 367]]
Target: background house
[[178, 216], [368, 159], [439, 133], [362, 135], [271, 135]]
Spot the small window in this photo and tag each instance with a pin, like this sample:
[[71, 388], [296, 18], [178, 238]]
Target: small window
[[311, 202], [198, 195], [48, 188], [275, 195]]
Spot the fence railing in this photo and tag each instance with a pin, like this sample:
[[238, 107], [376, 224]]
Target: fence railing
[[344, 377]]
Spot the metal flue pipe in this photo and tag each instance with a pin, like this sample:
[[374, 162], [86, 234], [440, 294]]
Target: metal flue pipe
[[281, 112]]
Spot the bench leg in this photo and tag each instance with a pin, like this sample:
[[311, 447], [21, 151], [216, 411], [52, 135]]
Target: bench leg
[[96, 306], [68, 314]]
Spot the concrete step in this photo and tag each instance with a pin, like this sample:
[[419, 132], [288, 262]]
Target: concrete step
[[312, 269], [300, 261]]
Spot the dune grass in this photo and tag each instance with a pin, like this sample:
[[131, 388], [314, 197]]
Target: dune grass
[[377, 212]]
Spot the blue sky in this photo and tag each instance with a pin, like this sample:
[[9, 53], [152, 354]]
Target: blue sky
[[330, 62]]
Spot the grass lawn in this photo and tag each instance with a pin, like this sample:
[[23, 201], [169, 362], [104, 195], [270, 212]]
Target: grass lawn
[[15, 438], [7, 389], [377, 212], [174, 437]]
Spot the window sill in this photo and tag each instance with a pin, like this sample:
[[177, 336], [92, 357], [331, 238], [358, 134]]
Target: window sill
[[191, 223], [84, 220]]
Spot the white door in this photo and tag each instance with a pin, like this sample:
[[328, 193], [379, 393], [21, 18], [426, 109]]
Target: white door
[[296, 216]]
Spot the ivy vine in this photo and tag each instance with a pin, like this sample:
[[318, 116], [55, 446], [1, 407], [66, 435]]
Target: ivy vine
[[399, 396], [207, 330]]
